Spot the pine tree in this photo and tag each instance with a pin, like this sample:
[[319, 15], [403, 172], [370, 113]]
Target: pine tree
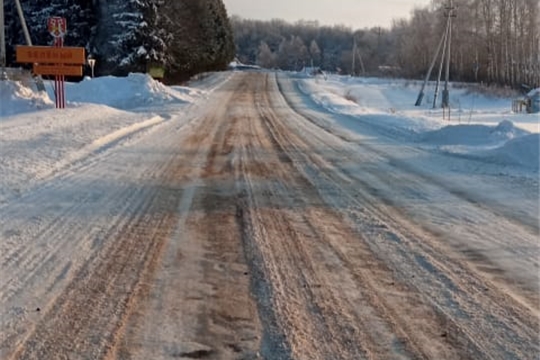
[[155, 39], [116, 45], [79, 14], [184, 37], [202, 36]]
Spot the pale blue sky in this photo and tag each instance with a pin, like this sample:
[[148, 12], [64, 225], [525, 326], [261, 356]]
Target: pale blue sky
[[353, 13]]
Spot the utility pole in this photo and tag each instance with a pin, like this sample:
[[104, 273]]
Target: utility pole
[[39, 81], [354, 58], [446, 94], [445, 43], [354, 54], [436, 95], [2, 43], [23, 23], [428, 75], [361, 63]]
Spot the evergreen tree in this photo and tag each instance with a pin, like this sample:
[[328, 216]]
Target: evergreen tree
[[155, 39], [117, 45], [80, 16], [202, 37], [132, 36], [183, 37]]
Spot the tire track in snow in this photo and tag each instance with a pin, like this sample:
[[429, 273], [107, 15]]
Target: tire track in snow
[[431, 259], [47, 251], [16, 249], [79, 159], [384, 336], [199, 304], [338, 272], [501, 211], [484, 222], [407, 172]]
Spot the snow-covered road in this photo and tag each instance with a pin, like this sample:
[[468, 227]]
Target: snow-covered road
[[248, 221]]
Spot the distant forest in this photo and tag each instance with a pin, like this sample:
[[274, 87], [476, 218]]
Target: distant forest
[[493, 41], [183, 37]]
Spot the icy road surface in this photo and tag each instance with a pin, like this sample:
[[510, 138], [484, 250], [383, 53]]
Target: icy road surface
[[248, 225]]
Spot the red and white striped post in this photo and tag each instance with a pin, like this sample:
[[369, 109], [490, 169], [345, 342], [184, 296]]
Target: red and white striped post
[[57, 28]]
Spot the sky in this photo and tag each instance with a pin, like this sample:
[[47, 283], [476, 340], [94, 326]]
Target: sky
[[353, 13]]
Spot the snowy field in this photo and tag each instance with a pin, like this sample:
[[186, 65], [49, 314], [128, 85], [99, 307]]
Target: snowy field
[[479, 126]]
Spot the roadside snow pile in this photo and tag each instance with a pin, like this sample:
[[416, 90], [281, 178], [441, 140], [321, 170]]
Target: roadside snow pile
[[237, 65], [330, 99], [524, 151], [36, 145], [503, 144], [388, 104], [132, 91], [473, 135], [15, 98]]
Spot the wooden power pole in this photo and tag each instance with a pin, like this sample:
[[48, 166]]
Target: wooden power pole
[[39, 81], [446, 92], [445, 44], [2, 42]]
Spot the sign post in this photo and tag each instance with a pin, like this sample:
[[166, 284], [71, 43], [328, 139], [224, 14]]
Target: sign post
[[54, 60], [57, 28], [92, 63]]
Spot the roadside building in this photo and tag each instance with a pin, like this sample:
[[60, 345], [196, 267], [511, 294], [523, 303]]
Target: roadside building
[[533, 101]]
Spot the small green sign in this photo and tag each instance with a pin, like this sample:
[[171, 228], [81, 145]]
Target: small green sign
[[157, 72]]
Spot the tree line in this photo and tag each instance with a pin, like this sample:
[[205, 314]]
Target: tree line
[[493, 41], [182, 37]]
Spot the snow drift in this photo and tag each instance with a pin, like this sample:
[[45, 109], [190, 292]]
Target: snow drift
[[17, 98], [480, 127]]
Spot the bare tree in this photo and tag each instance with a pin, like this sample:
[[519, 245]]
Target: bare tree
[[315, 53], [266, 58]]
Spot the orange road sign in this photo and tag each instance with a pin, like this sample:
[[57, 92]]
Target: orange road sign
[[51, 55], [67, 70]]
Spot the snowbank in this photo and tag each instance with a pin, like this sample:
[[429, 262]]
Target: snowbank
[[387, 104], [524, 151], [16, 98], [476, 128], [125, 93], [503, 144], [473, 135], [37, 144]]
